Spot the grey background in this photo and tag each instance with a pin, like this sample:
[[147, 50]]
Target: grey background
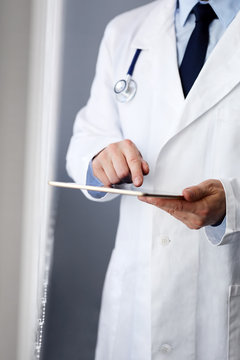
[[85, 231]]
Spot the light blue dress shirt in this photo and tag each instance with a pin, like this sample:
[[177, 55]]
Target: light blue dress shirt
[[226, 10]]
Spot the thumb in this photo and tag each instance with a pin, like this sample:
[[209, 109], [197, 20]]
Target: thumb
[[195, 193]]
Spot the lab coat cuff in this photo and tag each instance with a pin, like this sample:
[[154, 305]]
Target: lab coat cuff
[[229, 230]]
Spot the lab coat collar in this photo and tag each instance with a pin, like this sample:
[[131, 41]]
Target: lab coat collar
[[157, 35], [160, 19]]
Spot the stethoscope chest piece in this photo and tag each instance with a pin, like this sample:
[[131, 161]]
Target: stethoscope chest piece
[[125, 90]]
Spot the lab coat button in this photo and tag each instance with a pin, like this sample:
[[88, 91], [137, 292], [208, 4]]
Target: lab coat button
[[164, 240], [166, 348]]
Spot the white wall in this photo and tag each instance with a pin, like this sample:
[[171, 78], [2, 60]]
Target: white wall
[[14, 50]]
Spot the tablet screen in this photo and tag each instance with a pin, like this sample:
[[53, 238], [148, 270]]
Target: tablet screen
[[129, 190]]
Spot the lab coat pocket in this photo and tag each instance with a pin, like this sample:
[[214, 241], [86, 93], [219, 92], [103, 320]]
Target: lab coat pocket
[[234, 323]]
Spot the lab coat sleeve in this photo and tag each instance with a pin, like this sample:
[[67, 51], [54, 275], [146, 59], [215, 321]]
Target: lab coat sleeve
[[97, 124], [232, 220]]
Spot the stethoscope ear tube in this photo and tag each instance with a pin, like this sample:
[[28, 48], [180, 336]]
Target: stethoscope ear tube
[[125, 90]]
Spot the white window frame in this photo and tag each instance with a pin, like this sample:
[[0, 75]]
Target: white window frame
[[41, 142]]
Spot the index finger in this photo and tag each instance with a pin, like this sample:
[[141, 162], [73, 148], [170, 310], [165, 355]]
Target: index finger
[[134, 161]]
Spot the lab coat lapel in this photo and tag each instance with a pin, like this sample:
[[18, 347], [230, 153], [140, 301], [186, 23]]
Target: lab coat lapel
[[158, 40], [157, 36], [220, 74]]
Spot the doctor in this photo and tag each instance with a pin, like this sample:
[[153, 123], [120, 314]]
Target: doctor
[[172, 290]]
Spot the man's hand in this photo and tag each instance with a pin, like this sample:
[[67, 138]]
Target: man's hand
[[120, 162], [204, 204]]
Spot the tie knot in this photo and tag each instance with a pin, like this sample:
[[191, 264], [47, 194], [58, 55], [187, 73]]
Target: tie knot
[[204, 13]]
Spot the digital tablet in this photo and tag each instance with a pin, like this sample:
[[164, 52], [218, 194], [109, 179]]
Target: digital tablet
[[117, 189]]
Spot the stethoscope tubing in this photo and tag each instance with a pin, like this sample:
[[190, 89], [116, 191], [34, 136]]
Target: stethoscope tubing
[[134, 61], [125, 90]]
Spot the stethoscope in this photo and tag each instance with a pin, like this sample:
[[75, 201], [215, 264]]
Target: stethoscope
[[125, 90]]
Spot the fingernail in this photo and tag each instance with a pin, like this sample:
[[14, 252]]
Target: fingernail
[[146, 170], [137, 181]]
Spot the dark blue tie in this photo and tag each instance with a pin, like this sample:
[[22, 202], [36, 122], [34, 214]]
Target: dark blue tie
[[196, 50]]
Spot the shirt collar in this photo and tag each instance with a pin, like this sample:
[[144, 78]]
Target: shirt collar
[[226, 10]]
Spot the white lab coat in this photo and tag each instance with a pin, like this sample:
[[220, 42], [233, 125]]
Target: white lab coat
[[170, 292]]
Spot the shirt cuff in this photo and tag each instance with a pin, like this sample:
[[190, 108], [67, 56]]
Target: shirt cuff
[[216, 233], [93, 181]]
